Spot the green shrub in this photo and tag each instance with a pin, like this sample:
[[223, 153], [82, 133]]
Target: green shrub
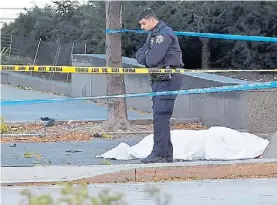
[[71, 195], [4, 126], [78, 195]]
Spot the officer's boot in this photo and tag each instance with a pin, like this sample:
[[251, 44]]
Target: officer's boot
[[152, 158], [169, 159], [169, 151]]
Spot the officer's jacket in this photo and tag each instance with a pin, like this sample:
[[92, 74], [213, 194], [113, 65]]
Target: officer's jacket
[[161, 48]]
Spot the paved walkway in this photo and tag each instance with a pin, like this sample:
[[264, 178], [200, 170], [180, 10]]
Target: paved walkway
[[78, 110], [62, 153], [78, 153], [60, 173], [206, 192]]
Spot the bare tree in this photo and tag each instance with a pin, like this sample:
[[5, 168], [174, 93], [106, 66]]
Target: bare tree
[[117, 108]]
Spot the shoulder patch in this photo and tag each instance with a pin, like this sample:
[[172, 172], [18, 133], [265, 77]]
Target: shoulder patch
[[159, 39]]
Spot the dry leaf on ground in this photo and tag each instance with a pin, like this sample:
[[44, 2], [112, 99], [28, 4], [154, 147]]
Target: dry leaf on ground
[[71, 131]]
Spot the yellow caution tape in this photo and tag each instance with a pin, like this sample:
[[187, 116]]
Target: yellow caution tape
[[110, 70]]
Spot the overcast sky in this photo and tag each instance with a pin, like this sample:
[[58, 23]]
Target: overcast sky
[[13, 13]]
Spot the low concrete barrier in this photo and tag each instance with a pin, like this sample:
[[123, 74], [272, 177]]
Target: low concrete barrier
[[36, 83], [254, 111]]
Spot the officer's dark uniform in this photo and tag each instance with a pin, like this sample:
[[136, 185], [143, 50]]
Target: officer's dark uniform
[[162, 50]]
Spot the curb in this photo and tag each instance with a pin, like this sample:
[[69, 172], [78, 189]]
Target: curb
[[165, 172], [186, 173]]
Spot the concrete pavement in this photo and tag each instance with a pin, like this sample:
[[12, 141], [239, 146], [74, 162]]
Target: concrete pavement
[[137, 172], [206, 192], [79, 153], [81, 110], [62, 153]]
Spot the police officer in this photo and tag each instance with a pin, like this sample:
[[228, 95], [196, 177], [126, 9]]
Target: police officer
[[161, 50]]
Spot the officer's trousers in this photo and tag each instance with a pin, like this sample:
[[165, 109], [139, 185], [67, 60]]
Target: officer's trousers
[[163, 107]]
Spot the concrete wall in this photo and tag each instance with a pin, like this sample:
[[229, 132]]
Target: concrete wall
[[36, 83], [253, 111], [262, 111]]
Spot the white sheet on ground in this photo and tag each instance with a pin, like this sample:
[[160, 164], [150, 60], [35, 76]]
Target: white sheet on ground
[[215, 143]]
